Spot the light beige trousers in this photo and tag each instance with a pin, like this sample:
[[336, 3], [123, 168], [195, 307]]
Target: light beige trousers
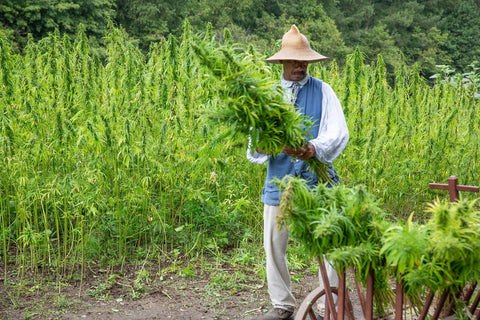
[[278, 276]]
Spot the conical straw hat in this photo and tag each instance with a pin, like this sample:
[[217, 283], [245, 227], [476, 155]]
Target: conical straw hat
[[295, 46]]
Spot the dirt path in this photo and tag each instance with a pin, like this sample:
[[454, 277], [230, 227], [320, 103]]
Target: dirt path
[[222, 294]]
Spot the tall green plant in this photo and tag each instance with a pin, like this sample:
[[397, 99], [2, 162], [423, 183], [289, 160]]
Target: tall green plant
[[100, 159], [439, 256], [344, 224], [254, 105]]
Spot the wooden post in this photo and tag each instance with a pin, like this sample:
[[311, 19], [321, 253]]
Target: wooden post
[[341, 295], [453, 188], [329, 304], [369, 306], [399, 297]]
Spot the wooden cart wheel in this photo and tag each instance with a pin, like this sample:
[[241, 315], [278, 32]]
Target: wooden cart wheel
[[306, 309]]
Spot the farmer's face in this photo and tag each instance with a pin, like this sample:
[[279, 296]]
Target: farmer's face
[[294, 70]]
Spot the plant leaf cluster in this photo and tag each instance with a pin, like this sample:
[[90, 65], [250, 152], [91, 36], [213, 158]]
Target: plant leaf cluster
[[254, 103], [348, 226], [444, 253], [344, 224], [327, 219]]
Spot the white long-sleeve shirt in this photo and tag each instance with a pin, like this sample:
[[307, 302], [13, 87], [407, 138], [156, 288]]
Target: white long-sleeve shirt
[[332, 134]]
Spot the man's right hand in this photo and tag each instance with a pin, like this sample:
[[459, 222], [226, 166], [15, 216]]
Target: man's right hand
[[305, 152]]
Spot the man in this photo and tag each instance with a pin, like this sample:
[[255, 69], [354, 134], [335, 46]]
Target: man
[[317, 100]]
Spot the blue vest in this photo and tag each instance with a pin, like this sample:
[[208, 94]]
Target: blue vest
[[309, 103]]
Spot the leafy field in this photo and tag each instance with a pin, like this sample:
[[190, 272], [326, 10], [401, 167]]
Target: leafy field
[[118, 159]]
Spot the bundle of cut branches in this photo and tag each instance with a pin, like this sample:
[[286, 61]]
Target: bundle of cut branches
[[254, 104], [344, 224]]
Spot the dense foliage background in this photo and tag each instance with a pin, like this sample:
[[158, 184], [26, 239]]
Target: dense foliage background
[[107, 152], [110, 157], [421, 32]]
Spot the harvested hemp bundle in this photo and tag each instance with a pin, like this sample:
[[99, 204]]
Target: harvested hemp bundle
[[254, 104], [344, 224]]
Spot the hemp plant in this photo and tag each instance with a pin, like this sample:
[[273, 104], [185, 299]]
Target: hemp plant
[[342, 223], [254, 104], [441, 255]]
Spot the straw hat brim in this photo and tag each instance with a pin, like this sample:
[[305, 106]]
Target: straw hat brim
[[293, 54]]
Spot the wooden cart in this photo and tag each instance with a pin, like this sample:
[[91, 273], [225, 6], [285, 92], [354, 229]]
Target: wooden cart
[[435, 305], [434, 309]]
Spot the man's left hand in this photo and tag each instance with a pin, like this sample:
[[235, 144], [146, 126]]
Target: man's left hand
[[305, 152]]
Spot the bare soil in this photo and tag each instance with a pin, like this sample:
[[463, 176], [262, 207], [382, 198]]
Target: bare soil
[[223, 293]]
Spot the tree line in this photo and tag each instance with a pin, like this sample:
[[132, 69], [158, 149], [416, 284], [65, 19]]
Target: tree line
[[419, 33]]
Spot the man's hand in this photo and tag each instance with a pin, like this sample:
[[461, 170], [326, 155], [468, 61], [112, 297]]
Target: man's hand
[[305, 152]]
